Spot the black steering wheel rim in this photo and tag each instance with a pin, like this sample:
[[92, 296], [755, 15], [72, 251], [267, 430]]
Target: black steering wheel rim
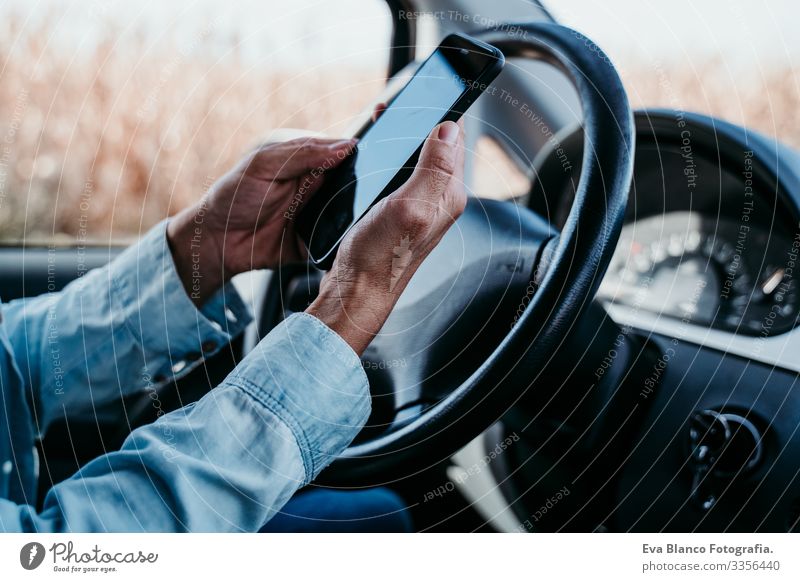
[[575, 260]]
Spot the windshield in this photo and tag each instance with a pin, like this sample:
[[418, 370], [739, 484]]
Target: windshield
[[733, 59]]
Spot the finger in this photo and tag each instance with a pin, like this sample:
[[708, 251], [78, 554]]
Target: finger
[[299, 157], [455, 198], [379, 109]]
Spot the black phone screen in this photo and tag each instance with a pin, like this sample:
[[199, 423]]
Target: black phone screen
[[386, 152]]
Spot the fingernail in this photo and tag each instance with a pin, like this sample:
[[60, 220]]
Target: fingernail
[[448, 132]]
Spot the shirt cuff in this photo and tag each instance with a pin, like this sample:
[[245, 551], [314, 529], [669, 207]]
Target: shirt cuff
[[173, 333], [313, 381]]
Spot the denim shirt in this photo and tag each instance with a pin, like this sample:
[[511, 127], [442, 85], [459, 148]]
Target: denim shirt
[[225, 463]]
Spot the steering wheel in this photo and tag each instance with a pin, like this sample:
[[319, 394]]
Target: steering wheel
[[492, 302]]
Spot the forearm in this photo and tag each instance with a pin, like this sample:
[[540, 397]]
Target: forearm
[[124, 328], [230, 461], [196, 469]]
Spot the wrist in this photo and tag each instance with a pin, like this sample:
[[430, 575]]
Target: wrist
[[195, 254], [353, 311]]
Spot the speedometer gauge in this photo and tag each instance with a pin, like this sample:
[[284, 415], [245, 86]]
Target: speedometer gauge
[[716, 273]]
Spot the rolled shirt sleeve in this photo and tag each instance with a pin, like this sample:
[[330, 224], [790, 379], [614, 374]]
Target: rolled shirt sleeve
[[124, 328], [316, 385], [230, 461]]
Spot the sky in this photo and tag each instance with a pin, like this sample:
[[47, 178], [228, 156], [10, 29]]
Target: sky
[[745, 32]]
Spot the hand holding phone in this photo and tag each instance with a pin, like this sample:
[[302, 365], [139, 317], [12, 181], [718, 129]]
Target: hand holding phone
[[380, 254], [442, 89]]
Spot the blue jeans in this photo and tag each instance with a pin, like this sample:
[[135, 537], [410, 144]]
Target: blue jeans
[[376, 510]]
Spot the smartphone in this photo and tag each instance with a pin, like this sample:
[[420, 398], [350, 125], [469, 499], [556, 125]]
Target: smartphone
[[442, 89]]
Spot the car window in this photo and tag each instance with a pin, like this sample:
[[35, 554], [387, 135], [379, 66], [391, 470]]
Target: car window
[[734, 59], [117, 114], [495, 174]]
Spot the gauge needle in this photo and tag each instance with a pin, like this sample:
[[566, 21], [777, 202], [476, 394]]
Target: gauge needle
[[771, 283]]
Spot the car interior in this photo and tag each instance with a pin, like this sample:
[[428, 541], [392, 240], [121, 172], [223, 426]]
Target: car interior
[[611, 346]]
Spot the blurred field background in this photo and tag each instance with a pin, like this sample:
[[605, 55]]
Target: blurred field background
[[107, 142], [102, 142], [767, 100]]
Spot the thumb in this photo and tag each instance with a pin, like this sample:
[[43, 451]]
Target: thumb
[[440, 159]]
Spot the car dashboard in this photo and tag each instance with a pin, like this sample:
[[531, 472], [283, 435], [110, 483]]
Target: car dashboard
[[710, 243], [707, 270], [703, 281]]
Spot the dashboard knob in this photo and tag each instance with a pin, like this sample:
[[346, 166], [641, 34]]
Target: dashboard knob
[[723, 446]]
